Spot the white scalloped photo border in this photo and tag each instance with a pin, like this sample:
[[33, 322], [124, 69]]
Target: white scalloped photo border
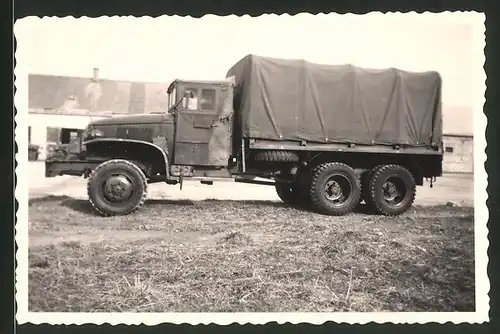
[[476, 20]]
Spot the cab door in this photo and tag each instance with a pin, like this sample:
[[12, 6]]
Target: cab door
[[203, 123]]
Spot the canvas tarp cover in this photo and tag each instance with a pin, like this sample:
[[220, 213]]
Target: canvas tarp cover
[[297, 100]]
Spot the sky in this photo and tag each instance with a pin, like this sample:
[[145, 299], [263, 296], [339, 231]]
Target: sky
[[162, 49]]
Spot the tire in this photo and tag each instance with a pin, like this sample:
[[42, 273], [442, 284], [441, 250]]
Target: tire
[[339, 179], [392, 190], [287, 192], [292, 194], [276, 156], [124, 173]]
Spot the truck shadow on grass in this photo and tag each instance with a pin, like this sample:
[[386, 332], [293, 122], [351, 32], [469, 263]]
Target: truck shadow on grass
[[79, 205], [83, 206]]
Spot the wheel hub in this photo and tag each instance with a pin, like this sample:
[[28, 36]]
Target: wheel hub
[[117, 188], [390, 191], [333, 190]]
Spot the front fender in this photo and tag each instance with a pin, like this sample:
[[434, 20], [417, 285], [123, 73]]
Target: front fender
[[164, 154]]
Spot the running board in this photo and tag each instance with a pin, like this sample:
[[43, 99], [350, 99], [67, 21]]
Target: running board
[[265, 183]]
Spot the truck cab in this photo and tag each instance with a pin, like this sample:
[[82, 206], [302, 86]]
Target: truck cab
[[202, 133], [192, 138]]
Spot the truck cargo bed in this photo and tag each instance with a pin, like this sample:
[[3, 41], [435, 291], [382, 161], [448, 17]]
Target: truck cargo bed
[[295, 100]]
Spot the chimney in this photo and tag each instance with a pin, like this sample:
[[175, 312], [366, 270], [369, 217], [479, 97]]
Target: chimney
[[95, 77]]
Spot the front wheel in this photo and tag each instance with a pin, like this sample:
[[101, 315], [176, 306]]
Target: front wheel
[[334, 189], [117, 187], [391, 190]]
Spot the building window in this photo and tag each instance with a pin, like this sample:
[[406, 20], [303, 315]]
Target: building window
[[53, 135], [208, 99], [448, 149], [69, 136]]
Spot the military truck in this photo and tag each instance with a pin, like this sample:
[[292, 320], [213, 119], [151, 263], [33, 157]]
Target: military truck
[[326, 137]]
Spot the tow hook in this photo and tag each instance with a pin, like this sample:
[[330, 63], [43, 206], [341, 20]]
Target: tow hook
[[431, 180]]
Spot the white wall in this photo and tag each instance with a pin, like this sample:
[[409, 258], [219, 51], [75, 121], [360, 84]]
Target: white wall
[[461, 160]]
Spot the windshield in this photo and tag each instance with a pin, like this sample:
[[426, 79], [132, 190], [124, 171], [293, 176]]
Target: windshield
[[171, 91]]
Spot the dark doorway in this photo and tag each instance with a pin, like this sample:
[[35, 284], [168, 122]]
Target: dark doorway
[[70, 136], [66, 139]]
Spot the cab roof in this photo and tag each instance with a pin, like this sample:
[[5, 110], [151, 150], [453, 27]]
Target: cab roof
[[201, 82]]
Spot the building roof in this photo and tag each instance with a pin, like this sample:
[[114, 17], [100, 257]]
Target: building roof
[[63, 94]]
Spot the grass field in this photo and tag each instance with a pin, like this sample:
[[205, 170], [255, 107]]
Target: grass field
[[212, 255]]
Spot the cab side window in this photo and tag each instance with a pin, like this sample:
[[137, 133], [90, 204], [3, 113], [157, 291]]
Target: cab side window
[[192, 104], [207, 99], [203, 99]]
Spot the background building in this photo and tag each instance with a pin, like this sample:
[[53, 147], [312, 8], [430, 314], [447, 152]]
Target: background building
[[459, 153], [458, 140], [61, 107]]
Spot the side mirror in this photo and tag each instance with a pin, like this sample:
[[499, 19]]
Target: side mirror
[[171, 87]]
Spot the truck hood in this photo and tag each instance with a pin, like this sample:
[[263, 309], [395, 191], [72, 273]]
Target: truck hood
[[134, 119]]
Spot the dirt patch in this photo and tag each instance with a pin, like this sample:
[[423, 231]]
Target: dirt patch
[[211, 256], [87, 237]]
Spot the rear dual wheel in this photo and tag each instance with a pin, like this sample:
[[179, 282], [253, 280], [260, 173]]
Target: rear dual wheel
[[335, 189], [390, 190]]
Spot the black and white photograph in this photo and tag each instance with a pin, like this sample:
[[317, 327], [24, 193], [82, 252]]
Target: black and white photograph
[[290, 168]]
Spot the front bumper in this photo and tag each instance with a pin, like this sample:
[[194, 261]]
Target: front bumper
[[81, 167]]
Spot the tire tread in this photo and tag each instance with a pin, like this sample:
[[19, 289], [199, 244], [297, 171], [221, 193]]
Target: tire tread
[[277, 156], [117, 162], [313, 193], [375, 174]]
